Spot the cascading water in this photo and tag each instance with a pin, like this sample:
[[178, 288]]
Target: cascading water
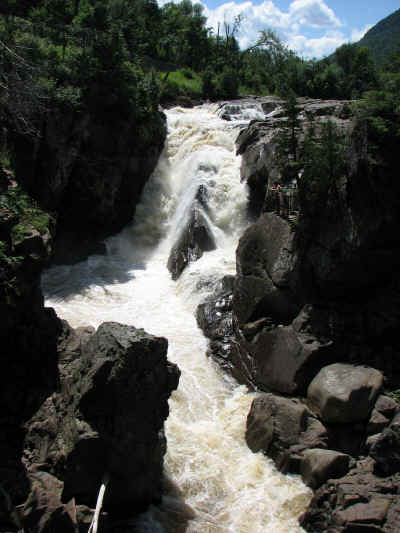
[[216, 483]]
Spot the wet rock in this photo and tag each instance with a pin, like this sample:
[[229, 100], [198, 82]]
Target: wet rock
[[195, 239], [215, 318], [202, 197], [319, 465], [345, 393]]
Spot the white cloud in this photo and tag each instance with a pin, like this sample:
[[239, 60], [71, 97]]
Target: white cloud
[[357, 34], [310, 27], [290, 26], [317, 47], [313, 13]]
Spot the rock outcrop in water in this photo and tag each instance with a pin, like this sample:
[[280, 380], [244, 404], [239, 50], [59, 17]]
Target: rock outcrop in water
[[304, 297], [195, 237]]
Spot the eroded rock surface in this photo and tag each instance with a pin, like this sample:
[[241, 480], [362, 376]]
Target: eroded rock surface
[[107, 420], [195, 238]]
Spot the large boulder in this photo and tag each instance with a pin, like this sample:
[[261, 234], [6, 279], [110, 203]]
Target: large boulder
[[345, 393], [319, 465], [195, 238], [286, 361], [266, 272], [283, 428], [107, 420]]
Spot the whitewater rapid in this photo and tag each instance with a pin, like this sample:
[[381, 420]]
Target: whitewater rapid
[[214, 482]]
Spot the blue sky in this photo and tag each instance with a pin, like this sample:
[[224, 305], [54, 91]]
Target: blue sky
[[313, 28]]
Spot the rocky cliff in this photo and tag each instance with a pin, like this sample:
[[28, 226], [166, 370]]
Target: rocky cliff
[[89, 172], [311, 291], [78, 407]]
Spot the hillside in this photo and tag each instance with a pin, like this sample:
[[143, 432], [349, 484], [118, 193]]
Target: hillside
[[383, 38]]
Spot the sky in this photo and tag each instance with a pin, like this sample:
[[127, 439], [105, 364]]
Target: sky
[[313, 28]]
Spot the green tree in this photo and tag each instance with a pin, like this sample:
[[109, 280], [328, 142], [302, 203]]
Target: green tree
[[287, 139]]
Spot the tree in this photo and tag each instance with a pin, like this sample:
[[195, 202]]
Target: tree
[[287, 138]]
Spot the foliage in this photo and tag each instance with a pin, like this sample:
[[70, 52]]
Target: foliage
[[287, 139], [395, 395], [181, 83], [28, 213]]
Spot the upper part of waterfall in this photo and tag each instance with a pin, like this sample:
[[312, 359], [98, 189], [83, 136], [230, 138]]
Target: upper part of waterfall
[[215, 483]]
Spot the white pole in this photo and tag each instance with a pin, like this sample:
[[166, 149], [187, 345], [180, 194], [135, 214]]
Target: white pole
[[95, 522]]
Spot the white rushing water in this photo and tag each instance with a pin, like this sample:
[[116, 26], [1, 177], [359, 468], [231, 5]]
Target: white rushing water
[[215, 483]]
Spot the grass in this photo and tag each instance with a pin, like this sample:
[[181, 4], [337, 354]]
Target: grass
[[183, 82]]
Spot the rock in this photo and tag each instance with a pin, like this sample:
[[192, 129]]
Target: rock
[[44, 512], [386, 406], [344, 393], [215, 318], [357, 502], [195, 238], [285, 361], [319, 465], [386, 448], [107, 418], [377, 422], [265, 272], [283, 428], [274, 424]]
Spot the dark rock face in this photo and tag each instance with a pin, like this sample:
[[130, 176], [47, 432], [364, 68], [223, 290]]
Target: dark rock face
[[28, 338], [195, 239], [257, 146], [357, 502], [105, 421], [215, 318], [282, 428], [90, 173], [385, 448], [326, 293]]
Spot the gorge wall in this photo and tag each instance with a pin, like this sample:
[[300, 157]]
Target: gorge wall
[[315, 302], [89, 171], [66, 396]]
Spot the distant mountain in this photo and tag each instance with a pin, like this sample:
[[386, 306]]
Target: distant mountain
[[383, 38]]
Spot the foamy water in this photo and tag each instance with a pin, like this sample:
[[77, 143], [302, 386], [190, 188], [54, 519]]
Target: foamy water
[[215, 483]]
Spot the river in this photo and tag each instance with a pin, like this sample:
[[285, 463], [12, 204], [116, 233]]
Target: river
[[216, 484]]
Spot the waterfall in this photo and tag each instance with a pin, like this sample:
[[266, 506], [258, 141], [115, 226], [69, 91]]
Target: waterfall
[[215, 483]]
